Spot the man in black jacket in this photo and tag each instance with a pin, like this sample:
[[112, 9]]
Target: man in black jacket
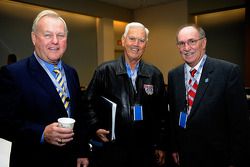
[[139, 92]]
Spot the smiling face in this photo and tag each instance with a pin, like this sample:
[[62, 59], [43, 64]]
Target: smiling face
[[134, 44], [192, 46], [50, 39]]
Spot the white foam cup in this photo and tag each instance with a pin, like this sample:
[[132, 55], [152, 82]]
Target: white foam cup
[[66, 122]]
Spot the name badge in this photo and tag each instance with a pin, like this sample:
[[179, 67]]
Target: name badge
[[183, 119], [138, 113]]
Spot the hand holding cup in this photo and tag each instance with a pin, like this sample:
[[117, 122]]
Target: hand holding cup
[[66, 122]]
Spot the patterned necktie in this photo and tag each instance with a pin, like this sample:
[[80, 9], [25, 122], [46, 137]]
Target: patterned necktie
[[192, 89], [62, 91]]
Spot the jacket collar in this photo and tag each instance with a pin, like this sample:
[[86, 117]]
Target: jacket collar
[[43, 79], [206, 78], [121, 67]]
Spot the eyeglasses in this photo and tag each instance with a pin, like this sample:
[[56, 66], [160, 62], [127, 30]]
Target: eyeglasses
[[190, 42]]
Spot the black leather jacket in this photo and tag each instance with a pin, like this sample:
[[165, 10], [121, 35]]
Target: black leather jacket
[[111, 80]]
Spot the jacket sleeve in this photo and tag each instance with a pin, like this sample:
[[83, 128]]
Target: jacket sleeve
[[13, 126], [238, 116], [162, 116], [93, 90]]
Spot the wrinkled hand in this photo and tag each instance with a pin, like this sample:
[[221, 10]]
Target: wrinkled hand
[[102, 134], [82, 162], [57, 135], [160, 157]]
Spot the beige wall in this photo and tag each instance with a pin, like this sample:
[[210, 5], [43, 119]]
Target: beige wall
[[16, 22], [105, 39], [93, 39], [119, 27], [86, 7], [162, 22]]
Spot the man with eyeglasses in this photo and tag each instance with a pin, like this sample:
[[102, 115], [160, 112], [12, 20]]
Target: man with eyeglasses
[[208, 106], [139, 92], [33, 98]]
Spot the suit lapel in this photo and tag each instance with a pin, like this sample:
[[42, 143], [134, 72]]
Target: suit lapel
[[68, 76], [42, 78], [70, 85], [69, 79], [180, 88], [205, 79]]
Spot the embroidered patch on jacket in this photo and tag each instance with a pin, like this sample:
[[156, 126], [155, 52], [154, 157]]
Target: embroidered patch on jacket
[[149, 89]]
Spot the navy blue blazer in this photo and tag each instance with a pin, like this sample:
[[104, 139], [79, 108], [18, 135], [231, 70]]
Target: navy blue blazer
[[31, 102], [217, 127]]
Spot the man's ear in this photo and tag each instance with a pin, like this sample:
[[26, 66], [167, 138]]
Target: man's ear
[[123, 40], [33, 38]]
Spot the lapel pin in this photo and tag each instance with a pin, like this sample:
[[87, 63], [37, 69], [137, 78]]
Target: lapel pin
[[206, 80]]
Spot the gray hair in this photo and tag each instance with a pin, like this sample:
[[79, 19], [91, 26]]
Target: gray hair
[[201, 31], [135, 25], [49, 13]]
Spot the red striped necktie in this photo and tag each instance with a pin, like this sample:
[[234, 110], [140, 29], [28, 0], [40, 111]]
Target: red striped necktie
[[193, 85]]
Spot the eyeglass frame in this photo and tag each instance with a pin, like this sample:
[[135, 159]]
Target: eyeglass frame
[[190, 42]]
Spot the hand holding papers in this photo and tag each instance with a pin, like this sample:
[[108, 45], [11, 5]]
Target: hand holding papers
[[113, 110], [107, 113]]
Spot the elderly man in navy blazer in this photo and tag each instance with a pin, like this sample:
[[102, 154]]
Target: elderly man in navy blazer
[[208, 107], [33, 97]]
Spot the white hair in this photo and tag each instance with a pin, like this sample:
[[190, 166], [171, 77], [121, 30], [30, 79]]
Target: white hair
[[135, 25], [49, 13]]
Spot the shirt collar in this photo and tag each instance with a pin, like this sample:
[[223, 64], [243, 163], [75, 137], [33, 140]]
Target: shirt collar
[[129, 71], [50, 66], [195, 67]]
